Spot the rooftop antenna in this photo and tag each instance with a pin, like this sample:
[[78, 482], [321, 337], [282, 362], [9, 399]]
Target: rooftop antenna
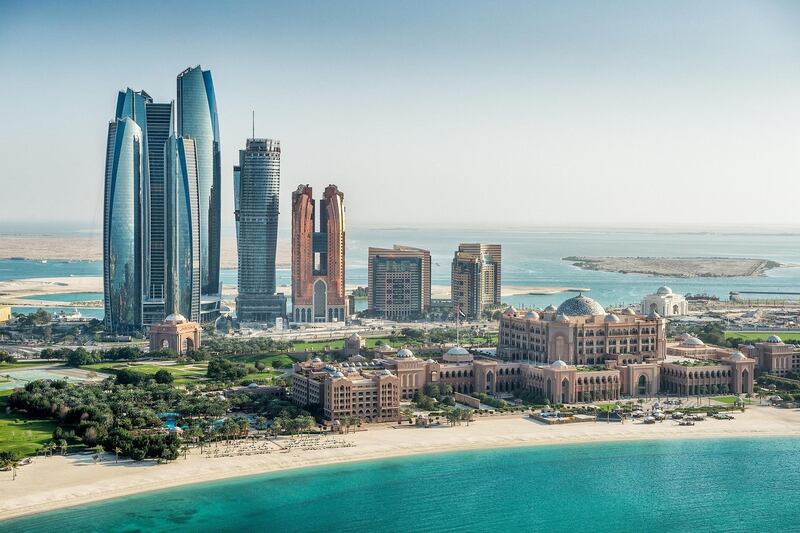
[[254, 124]]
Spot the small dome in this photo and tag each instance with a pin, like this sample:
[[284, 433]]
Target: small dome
[[176, 318], [558, 364], [385, 372], [664, 290], [774, 339], [628, 311], [405, 353], [457, 350], [533, 315], [611, 317], [693, 341], [562, 317], [430, 361], [337, 375], [510, 310], [580, 305], [316, 360], [653, 315], [737, 356], [550, 309]]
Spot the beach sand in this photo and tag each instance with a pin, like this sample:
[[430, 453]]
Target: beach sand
[[56, 482]]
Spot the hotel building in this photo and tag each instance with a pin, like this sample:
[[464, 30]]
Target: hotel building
[[399, 281], [476, 278], [318, 256]]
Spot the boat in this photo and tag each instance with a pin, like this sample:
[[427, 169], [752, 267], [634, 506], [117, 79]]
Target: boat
[[44, 260]]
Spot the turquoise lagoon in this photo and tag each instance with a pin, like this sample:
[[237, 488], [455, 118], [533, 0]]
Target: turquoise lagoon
[[691, 485]]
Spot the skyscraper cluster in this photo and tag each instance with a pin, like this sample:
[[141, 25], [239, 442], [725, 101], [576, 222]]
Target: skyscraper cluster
[[161, 221]]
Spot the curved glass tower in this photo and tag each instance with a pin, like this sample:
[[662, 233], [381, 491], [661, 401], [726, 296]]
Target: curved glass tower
[[183, 229], [197, 120], [122, 227]]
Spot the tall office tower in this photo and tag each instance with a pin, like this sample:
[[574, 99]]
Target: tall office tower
[[475, 278], [197, 119], [399, 282], [155, 121], [122, 227], [256, 183], [183, 285], [318, 256]]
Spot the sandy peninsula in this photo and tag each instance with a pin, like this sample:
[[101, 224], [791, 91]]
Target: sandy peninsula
[[677, 267], [55, 482]]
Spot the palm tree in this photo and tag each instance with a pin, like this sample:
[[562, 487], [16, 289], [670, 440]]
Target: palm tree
[[63, 445], [117, 450]]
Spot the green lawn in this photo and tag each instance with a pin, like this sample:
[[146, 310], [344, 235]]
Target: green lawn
[[267, 359], [318, 346], [181, 373], [762, 335], [20, 434], [725, 399]]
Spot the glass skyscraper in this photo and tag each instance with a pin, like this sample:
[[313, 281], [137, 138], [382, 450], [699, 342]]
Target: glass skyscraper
[[182, 228], [197, 120], [256, 183], [122, 227]]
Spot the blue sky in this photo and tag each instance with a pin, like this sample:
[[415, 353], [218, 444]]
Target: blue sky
[[524, 114]]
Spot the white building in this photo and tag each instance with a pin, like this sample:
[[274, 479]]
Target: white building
[[665, 303]]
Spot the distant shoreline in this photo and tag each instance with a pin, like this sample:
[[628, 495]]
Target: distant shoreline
[[677, 267]]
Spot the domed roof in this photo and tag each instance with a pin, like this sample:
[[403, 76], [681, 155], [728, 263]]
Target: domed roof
[[510, 310], [176, 318], [693, 341], [562, 317], [316, 360], [663, 290], [550, 308], [628, 311], [337, 375], [457, 350], [558, 364], [385, 372], [774, 339], [355, 337], [653, 314], [532, 314], [580, 305], [737, 356], [611, 317], [430, 361], [405, 353]]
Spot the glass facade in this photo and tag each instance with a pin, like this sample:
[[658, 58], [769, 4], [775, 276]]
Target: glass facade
[[122, 227], [183, 229], [197, 120], [256, 189]]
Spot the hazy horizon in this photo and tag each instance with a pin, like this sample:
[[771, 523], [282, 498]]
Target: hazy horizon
[[513, 115]]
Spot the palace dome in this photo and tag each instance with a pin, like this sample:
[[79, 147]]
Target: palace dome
[[664, 290], [510, 310], [774, 339], [737, 356], [532, 314], [558, 364], [457, 350], [611, 317], [693, 341], [176, 318], [405, 353], [337, 375], [580, 305], [628, 311], [550, 308]]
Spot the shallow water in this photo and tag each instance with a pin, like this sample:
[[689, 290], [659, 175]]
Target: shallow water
[[696, 485]]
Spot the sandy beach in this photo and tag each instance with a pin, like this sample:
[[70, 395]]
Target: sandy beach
[[56, 482]]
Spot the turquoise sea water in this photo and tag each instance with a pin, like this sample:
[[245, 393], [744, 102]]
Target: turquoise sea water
[[698, 485], [534, 258], [68, 297]]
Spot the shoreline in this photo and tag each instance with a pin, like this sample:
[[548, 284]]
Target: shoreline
[[68, 481]]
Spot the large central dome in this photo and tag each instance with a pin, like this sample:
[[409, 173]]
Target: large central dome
[[580, 305]]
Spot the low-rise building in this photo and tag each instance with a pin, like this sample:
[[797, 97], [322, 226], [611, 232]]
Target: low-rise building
[[5, 313], [774, 356], [665, 303]]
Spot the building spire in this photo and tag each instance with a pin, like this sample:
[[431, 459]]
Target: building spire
[[254, 124]]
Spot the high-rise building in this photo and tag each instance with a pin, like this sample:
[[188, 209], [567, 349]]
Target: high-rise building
[[197, 120], [318, 256], [399, 283], [122, 227], [476, 278], [155, 121], [256, 188], [183, 229]]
